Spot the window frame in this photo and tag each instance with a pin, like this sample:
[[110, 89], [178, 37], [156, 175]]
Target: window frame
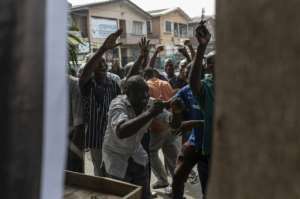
[[165, 25], [134, 29]]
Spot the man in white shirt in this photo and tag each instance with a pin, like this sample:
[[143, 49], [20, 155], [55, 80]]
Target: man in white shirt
[[129, 118]]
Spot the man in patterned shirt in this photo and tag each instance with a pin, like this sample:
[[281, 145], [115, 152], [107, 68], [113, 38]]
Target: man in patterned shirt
[[98, 89]]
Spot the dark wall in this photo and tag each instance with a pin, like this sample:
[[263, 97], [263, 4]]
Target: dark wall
[[21, 97], [257, 134]]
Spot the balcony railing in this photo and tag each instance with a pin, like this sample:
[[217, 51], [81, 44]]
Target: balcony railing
[[130, 38]]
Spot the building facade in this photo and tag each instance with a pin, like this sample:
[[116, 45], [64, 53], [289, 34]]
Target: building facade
[[97, 20], [170, 27]]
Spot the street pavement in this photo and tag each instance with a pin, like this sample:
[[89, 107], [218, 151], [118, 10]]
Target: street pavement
[[192, 191]]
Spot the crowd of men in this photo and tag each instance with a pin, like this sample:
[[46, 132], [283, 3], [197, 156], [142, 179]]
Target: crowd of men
[[125, 116]]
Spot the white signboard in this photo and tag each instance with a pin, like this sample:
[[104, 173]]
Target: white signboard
[[84, 48], [101, 28]]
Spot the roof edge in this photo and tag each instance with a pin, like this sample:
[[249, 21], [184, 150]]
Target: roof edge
[[87, 6]]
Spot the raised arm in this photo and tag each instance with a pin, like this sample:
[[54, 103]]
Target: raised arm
[[190, 47], [89, 68], [141, 62], [154, 56], [203, 37], [187, 126], [132, 126], [185, 53]]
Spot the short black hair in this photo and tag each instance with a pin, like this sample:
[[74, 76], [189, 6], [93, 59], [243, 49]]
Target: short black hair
[[136, 82], [149, 73], [210, 60]]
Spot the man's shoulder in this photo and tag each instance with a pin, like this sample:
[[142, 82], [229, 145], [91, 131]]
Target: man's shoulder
[[119, 101], [113, 76], [208, 83], [184, 90], [115, 79]]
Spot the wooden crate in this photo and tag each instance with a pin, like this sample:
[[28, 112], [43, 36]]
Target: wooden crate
[[82, 186]]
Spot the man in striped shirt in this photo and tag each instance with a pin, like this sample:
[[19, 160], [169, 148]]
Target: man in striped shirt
[[98, 89]]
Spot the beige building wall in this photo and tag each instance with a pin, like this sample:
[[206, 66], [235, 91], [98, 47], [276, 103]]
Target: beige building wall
[[117, 11], [169, 38]]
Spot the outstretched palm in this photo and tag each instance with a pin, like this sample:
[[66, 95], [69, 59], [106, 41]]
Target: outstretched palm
[[144, 46]]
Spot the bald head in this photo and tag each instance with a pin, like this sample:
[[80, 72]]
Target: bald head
[[137, 90]]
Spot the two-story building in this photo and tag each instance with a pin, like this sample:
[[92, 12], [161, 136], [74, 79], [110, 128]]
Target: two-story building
[[170, 26], [97, 20]]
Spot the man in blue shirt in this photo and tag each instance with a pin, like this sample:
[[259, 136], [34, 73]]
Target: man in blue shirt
[[198, 148], [192, 140]]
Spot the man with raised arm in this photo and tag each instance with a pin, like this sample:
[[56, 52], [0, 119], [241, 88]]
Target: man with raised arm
[[98, 89], [198, 148]]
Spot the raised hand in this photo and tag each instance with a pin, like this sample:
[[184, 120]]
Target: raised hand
[[187, 42], [202, 34], [160, 49], [157, 107], [144, 47], [182, 50], [111, 40]]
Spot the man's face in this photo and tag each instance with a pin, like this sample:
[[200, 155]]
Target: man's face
[[139, 98], [101, 69], [169, 68], [182, 72]]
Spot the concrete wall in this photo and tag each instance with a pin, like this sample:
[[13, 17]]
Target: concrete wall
[[256, 141], [22, 50]]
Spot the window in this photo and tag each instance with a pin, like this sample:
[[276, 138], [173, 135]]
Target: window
[[149, 27], [137, 28], [191, 31], [176, 32], [84, 26], [168, 26], [183, 30], [180, 30]]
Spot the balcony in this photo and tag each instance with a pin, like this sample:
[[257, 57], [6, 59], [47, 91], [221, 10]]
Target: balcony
[[132, 39]]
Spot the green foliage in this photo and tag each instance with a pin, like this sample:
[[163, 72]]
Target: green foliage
[[73, 41]]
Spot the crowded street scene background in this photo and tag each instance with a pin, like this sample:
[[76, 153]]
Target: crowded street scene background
[[141, 96]]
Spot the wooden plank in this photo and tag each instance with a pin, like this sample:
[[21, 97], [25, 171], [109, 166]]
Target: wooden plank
[[103, 185], [79, 193]]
